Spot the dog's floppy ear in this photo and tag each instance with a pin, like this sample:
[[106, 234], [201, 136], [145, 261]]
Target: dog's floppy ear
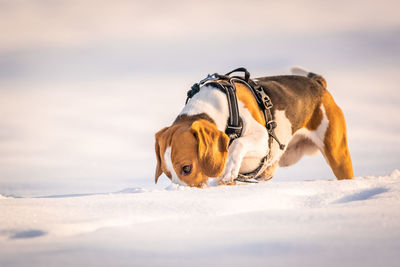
[[212, 147], [159, 142]]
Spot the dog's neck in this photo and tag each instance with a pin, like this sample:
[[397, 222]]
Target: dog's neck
[[212, 102]]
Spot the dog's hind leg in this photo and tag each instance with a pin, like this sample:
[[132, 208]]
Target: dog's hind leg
[[269, 172], [335, 148], [297, 148]]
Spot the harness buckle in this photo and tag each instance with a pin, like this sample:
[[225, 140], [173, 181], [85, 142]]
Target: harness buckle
[[208, 78], [262, 96], [271, 125], [267, 102], [234, 132]]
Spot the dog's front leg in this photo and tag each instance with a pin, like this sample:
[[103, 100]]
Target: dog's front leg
[[256, 143]]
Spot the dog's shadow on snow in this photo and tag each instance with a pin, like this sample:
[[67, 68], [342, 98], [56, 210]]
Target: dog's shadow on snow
[[363, 195]]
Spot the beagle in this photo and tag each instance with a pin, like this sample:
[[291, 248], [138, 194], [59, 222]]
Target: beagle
[[195, 147]]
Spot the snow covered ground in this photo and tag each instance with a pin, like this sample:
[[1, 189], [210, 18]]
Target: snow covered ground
[[84, 85], [311, 223]]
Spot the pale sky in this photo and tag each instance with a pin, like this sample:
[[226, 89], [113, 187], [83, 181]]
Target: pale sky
[[27, 23], [69, 40]]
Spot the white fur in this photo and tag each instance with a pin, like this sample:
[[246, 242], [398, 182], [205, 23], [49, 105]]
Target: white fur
[[283, 131], [211, 101], [170, 167], [297, 147], [318, 135], [296, 70], [246, 152], [305, 142]]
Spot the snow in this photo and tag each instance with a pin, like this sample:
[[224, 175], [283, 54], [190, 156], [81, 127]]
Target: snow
[[301, 223]]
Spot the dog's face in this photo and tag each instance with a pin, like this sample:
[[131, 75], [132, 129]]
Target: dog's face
[[189, 153]]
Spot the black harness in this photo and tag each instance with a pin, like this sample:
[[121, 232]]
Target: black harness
[[234, 127]]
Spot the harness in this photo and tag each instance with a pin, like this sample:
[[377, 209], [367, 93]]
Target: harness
[[226, 84]]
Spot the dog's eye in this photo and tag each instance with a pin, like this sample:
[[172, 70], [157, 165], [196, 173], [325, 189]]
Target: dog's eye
[[187, 169]]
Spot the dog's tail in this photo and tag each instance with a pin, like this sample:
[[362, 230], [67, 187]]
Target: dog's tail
[[303, 72]]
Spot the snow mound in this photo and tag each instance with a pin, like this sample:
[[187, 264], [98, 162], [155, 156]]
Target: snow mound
[[395, 174], [133, 190], [177, 187]]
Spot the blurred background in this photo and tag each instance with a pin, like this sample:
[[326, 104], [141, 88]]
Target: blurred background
[[84, 85]]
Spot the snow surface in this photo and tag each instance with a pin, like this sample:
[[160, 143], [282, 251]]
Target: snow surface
[[306, 223], [84, 85]]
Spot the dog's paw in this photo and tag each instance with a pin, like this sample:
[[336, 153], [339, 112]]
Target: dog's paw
[[220, 182], [230, 173]]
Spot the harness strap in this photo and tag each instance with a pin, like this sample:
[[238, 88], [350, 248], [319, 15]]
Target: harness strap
[[235, 125], [246, 73], [223, 83], [251, 177], [266, 105]]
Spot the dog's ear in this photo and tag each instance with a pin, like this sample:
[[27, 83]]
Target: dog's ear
[[159, 142], [212, 147]]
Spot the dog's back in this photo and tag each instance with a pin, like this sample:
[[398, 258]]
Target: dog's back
[[302, 94]]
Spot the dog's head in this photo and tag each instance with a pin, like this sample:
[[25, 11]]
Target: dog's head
[[190, 152]]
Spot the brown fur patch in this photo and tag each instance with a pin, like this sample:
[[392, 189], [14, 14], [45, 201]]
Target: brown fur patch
[[336, 150], [212, 147], [160, 147], [246, 97], [298, 96], [192, 118], [315, 120]]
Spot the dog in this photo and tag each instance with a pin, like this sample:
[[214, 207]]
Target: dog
[[195, 147]]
